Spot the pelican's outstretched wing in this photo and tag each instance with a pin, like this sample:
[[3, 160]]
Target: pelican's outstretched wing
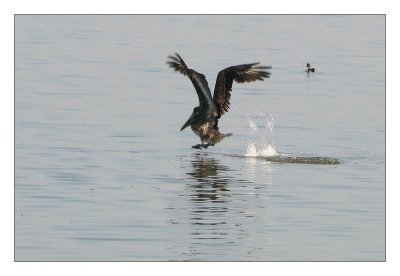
[[199, 82], [238, 73]]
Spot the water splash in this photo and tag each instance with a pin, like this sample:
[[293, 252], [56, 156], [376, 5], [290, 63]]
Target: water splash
[[260, 142], [252, 151]]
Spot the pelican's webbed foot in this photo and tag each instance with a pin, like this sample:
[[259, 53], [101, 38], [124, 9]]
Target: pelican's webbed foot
[[200, 146]]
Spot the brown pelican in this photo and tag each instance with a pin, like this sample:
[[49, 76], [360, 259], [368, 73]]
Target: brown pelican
[[309, 70], [204, 119]]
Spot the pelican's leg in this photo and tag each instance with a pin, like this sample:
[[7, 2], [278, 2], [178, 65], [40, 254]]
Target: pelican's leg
[[198, 146]]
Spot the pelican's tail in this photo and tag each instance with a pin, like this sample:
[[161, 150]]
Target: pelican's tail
[[221, 136]]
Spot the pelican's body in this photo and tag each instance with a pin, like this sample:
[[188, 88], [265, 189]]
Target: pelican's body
[[207, 130], [204, 119]]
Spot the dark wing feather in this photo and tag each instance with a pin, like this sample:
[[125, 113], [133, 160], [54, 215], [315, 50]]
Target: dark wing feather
[[199, 81], [177, 63], [240, 73]]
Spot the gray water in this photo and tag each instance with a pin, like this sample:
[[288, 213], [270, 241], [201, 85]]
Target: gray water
[[102, 171]]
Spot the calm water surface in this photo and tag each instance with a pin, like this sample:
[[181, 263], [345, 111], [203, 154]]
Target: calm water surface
[[102, 171]]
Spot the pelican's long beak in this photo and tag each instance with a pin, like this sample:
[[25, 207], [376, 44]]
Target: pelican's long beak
[[189, 121]]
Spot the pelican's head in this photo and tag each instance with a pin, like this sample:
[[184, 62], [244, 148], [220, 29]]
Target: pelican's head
[[191, 118]]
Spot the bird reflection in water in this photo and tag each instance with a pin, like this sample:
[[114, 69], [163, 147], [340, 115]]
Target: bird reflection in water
[[212, 182], [209, 194], [215, 213]]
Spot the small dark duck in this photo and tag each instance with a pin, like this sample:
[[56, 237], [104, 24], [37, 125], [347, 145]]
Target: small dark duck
[[309, 69], [204, 119]]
